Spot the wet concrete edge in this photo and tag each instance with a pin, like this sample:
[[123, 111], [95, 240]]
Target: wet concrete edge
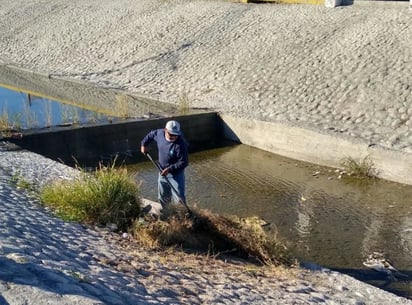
[[317, 147]]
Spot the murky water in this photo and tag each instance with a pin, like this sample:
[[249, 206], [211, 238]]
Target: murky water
[[326, 220]]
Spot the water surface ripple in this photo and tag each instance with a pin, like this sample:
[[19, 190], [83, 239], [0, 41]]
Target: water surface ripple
[[326, 220]]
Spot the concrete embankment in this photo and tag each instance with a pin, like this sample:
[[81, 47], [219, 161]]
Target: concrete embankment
[[343, 74], [319, 148], [89, 144]]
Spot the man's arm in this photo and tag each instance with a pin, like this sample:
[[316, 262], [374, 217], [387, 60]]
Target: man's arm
[[147, 140]]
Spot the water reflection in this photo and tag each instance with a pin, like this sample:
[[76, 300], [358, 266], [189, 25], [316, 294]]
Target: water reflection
[[326, 220], [19, 110], [110, 101]]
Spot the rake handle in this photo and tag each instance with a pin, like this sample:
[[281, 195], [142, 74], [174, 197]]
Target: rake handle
[[168, 182]]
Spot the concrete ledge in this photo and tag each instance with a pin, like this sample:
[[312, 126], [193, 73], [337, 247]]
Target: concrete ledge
[[91, 144], [316, 2], [315, 147], [332, 3]]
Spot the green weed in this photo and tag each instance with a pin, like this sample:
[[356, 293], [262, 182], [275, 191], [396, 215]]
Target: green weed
[[108, 195], [18, 180]]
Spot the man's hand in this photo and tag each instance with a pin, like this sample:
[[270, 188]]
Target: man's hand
[[165, 172], [143, 149]]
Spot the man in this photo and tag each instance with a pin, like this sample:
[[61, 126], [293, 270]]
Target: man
[[173, 159]]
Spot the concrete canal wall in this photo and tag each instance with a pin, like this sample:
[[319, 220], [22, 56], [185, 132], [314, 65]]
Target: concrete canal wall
[[90, 144], [318, 148]]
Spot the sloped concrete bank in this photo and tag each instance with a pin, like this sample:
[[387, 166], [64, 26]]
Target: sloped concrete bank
[[109, 100]]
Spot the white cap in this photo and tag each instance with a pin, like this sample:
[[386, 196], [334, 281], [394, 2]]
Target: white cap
[[173, 127]]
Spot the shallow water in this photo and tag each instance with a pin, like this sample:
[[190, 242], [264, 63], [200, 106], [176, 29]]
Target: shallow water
[[25, 111], [326, 220]]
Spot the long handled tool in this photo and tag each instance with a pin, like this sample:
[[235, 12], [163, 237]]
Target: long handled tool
[[190, 213]]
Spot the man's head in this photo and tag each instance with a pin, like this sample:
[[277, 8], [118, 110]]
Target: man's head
[[172, 131], [173, 128]]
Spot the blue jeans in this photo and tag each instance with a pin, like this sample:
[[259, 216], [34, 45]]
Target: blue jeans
[[166, 194]]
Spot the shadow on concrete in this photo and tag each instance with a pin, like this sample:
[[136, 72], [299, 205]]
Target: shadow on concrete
[[29, 274], [3, 301], [347, 2], [392, 282]]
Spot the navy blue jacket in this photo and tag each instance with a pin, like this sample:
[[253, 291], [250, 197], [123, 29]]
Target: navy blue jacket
[[173, 155]]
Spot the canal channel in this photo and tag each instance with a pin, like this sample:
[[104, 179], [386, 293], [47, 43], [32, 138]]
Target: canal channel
[[326, 220]]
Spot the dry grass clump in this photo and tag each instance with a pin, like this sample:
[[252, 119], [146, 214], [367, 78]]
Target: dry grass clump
[[5, 130], [214, 234], [4, 121], [122, 106], [184, 104], [360, 170]]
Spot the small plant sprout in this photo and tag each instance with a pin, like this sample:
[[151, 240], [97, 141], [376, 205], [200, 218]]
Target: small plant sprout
[[4, 121], [184, 104], [360, 170], [122, 107]]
